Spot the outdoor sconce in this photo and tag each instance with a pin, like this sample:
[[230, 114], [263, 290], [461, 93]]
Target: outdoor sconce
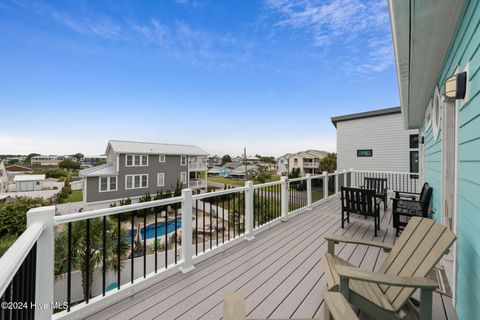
[[456, 86]]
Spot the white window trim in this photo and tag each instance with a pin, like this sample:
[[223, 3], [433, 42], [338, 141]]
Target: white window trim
[[183, 174], [158, 179], [436, 108], [160, 157], [108, 184], [133, 181], [186, 160], [133, 160]]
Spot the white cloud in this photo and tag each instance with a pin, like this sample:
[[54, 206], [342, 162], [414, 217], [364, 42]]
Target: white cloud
[[354, 27]]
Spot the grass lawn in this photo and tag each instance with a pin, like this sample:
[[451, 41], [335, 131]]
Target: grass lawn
[[239, 183], [317, 195], [75, 196]]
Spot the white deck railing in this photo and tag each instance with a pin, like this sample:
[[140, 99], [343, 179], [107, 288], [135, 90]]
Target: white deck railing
[[285, 198]]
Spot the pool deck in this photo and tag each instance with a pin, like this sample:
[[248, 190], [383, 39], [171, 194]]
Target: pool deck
[[279, 272]]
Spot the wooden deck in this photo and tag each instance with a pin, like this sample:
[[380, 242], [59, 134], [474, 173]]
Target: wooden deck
[[279, 272]]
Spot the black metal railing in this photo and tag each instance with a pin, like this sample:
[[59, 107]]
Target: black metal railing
[[266, 204], [18, 300], [297, 194]]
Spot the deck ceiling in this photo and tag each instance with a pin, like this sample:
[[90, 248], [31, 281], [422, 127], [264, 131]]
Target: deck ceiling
[[422, 33]]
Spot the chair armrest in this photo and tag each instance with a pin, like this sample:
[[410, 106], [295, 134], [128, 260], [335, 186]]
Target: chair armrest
[[407, 200], [404, 192], [337, 239], [386, 279]]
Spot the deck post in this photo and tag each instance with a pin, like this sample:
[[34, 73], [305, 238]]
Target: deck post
[[284, 198], [187, 229], [249, 211], [345, 177], [44, 279], [336, 181], [325, 185], [309, 191]]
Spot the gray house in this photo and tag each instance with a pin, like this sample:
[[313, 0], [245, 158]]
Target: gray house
[[134, 169]]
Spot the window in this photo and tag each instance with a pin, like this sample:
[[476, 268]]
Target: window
[[183, 177], [365, 153], [183, 160], [136, 181], [414, 161], [161, 158], [136, 160], [108, 184], [414, 141], [295, 162], [160, 179]]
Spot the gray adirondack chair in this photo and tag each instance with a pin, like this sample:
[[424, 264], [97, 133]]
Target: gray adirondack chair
[[385, 293]]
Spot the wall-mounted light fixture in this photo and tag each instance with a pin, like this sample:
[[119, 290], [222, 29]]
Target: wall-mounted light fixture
[[456, 86]]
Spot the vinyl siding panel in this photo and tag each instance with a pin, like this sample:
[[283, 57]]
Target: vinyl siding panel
[[433, 169], [385, 135], [464, 51]]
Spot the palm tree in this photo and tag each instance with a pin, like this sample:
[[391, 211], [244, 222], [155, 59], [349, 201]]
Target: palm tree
[[329, 163], [95, 253]]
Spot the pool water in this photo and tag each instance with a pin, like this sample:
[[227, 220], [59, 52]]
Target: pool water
[[151, 230]]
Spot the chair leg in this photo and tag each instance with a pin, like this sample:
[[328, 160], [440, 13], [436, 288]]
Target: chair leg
[[343, 221]]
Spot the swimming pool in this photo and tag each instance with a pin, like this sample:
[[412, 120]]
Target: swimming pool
[[151, 230]]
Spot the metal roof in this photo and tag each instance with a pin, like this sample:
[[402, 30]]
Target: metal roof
[[310, 154], [154, 148], [28, 177], [368, 114], [101, 170]]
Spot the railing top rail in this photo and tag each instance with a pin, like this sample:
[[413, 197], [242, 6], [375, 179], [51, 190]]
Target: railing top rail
[[318, 176], [218, 193], [297, 179], [389, 172], [267, 184], [16, 254], [114, 210]]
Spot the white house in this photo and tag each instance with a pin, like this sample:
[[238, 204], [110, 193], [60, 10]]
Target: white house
[[307, 161], [29, 182], [376, 140], [3, 178], [282, 164]]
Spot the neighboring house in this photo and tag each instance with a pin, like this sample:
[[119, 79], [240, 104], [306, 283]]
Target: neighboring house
[[134, 169], [376, 140], [219, 172], [214, 161], [29, 182], [92, 160], [16, 169], [307, 161], [243, 172], [3, 178], [435, 42], [46, 160], [282, 164], [231, 165]]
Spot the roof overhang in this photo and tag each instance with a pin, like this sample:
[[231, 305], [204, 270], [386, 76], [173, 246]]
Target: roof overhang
[[422, 32]]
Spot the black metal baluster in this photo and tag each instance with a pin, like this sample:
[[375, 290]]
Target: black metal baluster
[[229, 216], [87, 285], [196, 227], [155, 243], [233, 214], [166, 237], [145, 243], [104, 255], [223, 219], [119, 236], [256, 219], [210, 215], [133, 214], [216, 214], [203, 237], [69, 266], [176, 234]]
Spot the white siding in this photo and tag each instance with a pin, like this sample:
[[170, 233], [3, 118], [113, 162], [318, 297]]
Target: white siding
[[383, 134]]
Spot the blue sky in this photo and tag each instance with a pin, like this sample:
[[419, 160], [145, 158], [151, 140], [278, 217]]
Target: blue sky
[[265, 74]]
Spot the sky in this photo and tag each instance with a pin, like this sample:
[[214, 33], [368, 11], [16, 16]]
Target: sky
[[223, 75]]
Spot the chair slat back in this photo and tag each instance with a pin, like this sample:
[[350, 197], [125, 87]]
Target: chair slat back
[[357, 200], [377, 184], [420, 247]]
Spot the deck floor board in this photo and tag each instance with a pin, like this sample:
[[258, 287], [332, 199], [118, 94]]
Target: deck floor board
[[279, 272]]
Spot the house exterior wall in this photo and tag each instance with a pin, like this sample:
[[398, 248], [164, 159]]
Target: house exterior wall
[[384, 135], [171, 168], [299, 164], [464, 54], [282, 165]]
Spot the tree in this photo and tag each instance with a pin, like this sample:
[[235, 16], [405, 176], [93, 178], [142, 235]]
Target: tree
[[28, 159], [295, 173], [100, 162], [266, 159], [85, 260], [329, 163], [78, 156], [226, 158], [69, 165]]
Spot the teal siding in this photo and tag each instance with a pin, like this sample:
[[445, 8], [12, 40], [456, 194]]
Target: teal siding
[[433, 168], [464, 50]]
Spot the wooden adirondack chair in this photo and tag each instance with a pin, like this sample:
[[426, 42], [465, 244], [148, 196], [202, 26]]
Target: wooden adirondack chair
[[384, 294]]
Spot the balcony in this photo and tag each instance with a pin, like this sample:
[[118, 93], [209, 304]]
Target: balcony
[[199, 183], [309, 164], [197, 166], [183, 275]]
